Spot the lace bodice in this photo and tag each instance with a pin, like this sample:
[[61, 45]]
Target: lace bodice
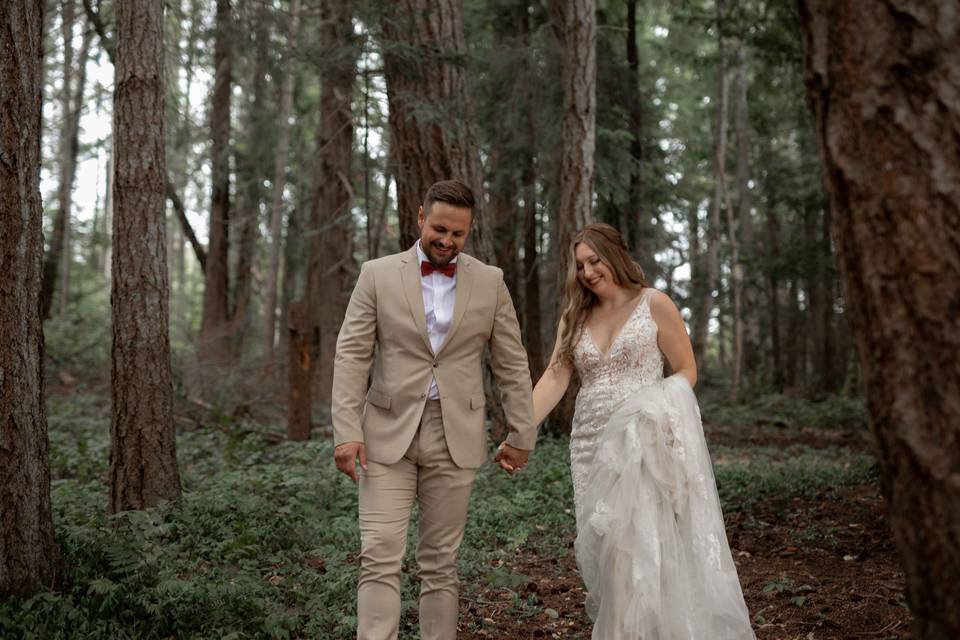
[[633, 361], [634, 358]]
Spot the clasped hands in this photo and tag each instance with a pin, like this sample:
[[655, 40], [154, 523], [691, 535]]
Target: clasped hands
[[510, 458], [346, 455]]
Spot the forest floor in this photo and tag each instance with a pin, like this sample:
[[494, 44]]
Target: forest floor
[[816, 562], [263, 544]]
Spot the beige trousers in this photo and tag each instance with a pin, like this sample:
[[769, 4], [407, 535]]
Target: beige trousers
[[427, 474]]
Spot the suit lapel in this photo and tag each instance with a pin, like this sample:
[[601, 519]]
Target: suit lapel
[[412, 290], [461, 298]]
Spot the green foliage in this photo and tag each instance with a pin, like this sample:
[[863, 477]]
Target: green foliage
[[263, 544], [784, 410]]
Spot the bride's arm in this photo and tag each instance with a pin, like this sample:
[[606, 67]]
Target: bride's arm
[[552, 384], [672, 336]]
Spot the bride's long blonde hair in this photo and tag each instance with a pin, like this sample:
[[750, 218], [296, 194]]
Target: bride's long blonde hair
[[609, 246]]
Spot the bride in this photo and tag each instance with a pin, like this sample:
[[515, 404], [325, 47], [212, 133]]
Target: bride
[[651, 543]]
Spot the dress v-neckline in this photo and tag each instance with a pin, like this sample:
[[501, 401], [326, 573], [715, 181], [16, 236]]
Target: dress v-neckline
[[616, 336]]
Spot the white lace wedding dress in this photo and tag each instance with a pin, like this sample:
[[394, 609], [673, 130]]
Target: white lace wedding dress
[[651, 543]]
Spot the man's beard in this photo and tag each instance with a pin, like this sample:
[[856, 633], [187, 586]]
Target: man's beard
[[439, 261]]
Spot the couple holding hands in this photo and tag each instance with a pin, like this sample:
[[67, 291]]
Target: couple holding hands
[[651, 544]]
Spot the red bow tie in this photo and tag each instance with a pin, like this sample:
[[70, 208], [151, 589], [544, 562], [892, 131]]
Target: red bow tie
[[426, 268]]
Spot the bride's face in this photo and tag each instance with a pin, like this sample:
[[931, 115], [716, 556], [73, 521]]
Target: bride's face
[[592, 272]]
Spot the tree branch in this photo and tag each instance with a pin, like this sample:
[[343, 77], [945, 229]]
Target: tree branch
[[187, 229]]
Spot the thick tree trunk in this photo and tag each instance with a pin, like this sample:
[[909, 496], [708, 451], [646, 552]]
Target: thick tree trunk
[[143, 459], [331, 267], [579, 121], [424, 51], [214, 331], [882, 81], [279, 183], [28, 554]]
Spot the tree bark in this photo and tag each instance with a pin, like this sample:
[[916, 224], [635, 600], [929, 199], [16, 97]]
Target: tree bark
[[579, 121], [28, 553], [331, 267], [424, 54], [214, 331], [279, 183], [143, 459], [882, 82]]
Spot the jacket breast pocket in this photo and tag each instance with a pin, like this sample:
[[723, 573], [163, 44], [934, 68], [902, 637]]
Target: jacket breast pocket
[[378, 399]]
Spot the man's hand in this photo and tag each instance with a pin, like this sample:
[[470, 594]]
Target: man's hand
[[346, 454], [511, 459]]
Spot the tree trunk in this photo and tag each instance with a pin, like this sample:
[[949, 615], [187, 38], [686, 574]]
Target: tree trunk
[[882, 82], [331, 267], [424, 50], [143, 459], [711, 267], [250, 173], [68, 167], [531, 312], [67, 157], [739, 225], [300, 366], [28, 553], [579, 122], [214, 330], [639, 230], [279, 183]]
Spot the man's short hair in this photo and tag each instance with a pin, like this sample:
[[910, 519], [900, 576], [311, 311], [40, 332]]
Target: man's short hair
[[453, 192]]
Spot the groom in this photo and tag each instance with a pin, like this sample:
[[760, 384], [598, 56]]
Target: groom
[[422, 318]]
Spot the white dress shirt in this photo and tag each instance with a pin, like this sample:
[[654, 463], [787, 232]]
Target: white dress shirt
[[439, 295]]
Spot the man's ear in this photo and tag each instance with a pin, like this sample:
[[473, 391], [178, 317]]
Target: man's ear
[[421, 217]]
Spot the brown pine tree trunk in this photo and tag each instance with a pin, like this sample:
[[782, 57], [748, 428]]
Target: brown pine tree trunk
[[424, 50], [214, 331], [579, 121], [331, 266], [28, 554], [279, 183], [888, 128], [143, 458]]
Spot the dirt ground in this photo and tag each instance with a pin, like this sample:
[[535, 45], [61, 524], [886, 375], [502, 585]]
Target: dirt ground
[[827, 570]]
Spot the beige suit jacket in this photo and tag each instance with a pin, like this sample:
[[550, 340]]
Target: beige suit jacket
[[385, 327]]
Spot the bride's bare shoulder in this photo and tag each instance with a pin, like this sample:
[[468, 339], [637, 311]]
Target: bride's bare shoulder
[[661, 305]]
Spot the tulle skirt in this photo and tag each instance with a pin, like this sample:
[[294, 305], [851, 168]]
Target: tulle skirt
[[651, 543]]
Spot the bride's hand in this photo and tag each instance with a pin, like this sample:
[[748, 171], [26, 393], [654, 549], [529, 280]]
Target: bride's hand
[[511, 459]]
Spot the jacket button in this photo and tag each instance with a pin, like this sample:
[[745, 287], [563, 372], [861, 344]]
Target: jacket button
[[422, 396], [436, 364]]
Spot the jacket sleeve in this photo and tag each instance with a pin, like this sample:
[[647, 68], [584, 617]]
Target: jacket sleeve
[[351, 367], [512, 372]]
